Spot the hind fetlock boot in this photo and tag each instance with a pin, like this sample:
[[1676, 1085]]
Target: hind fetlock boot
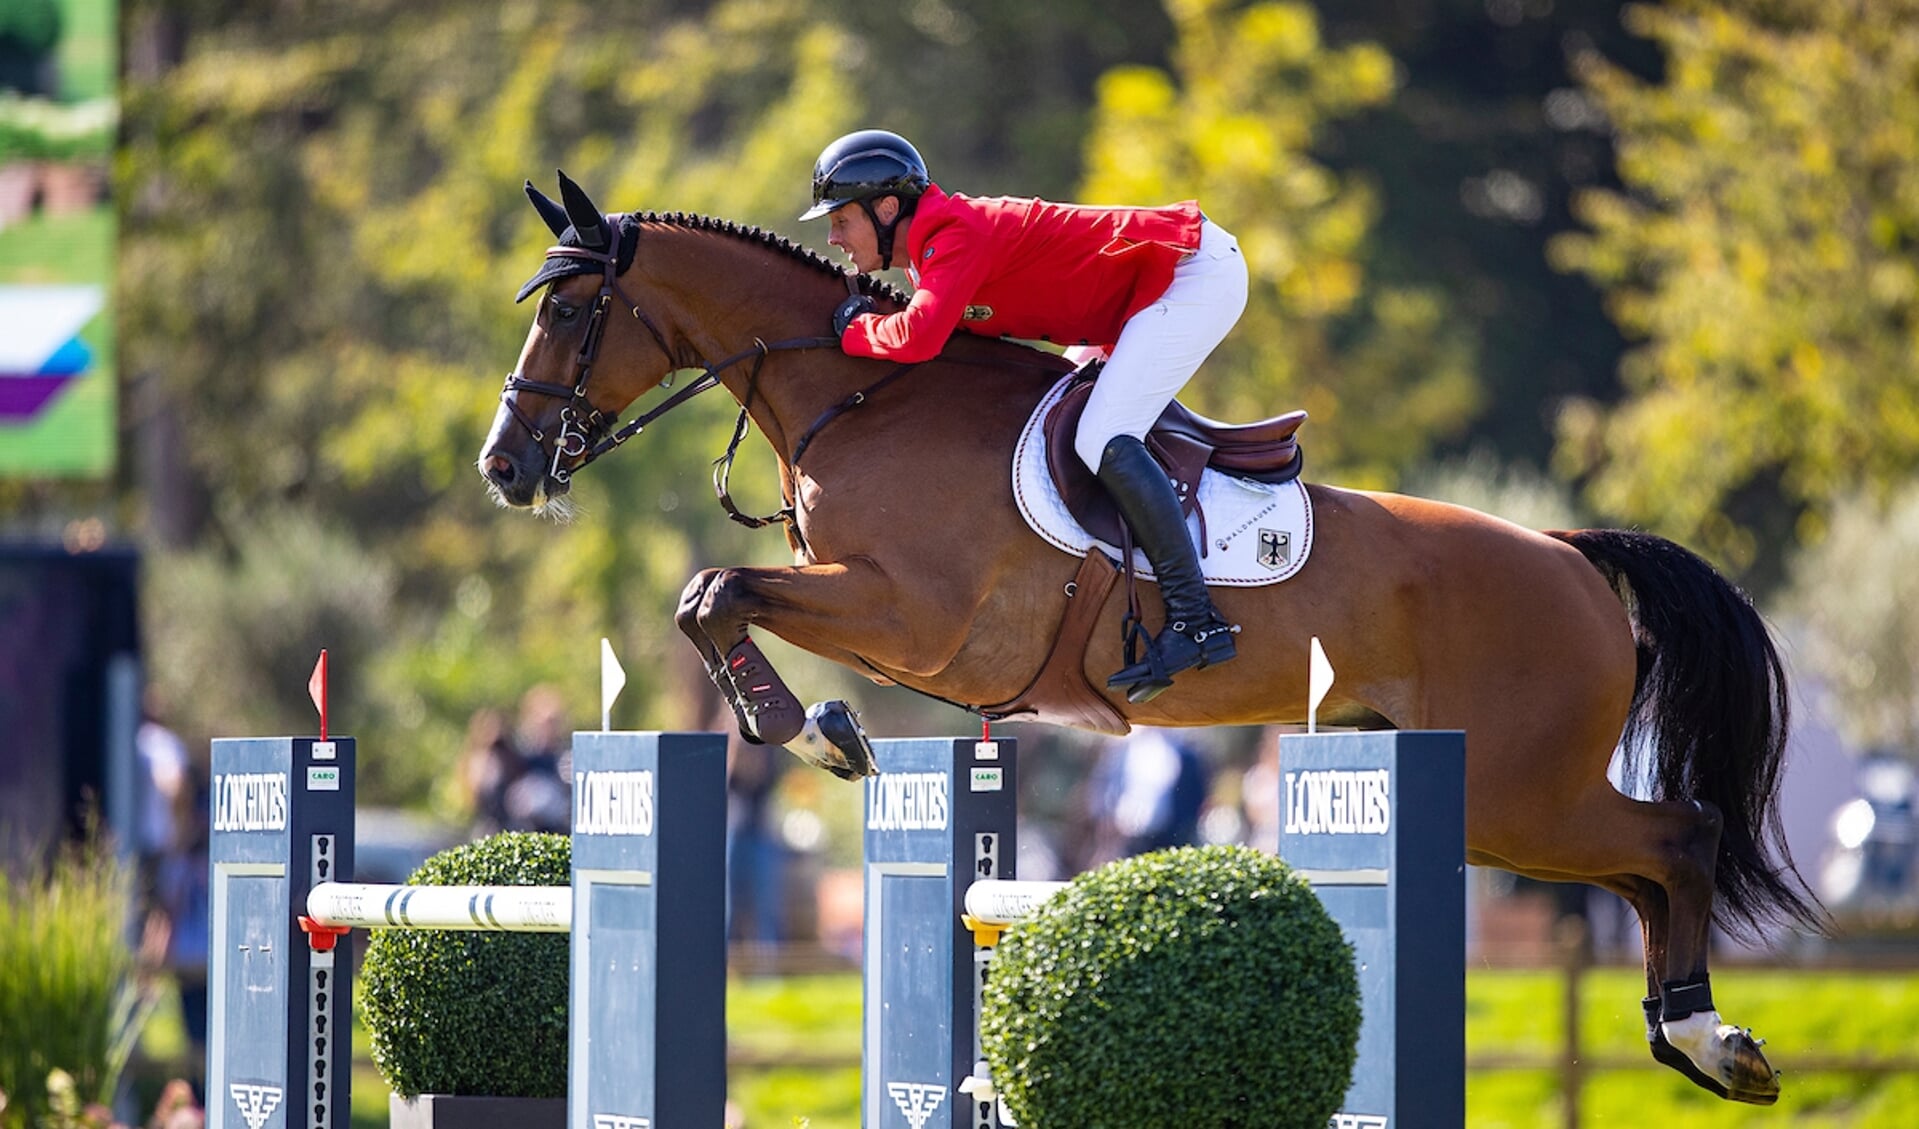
[[1194, 634]]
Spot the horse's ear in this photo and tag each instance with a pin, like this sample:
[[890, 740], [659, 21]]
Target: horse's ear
[[586, 217], [553, 214]]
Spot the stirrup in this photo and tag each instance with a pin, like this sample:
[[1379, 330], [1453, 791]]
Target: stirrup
[[1176, 649]]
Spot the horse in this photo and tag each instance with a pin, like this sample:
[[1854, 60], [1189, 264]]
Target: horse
[[913, 567]]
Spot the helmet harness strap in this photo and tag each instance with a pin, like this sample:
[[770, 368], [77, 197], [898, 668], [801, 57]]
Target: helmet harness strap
[[884, 230]]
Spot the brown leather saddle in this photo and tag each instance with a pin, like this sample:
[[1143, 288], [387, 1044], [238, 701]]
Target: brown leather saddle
[[1184, 443]]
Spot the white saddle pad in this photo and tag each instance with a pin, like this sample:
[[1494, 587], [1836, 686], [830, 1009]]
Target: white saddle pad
[[1255, 533]]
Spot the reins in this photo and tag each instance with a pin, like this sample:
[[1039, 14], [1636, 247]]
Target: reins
[[586, 433]]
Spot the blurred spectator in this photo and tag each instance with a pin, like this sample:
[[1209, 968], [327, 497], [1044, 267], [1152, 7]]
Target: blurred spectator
[[488, 765], [1874, 855], [162, 758], [178, 928], [173, 863], [1146, 793], [755, 856], [1259, 795], [177, 1109], [510, 787], [542, 734], [541, 797]]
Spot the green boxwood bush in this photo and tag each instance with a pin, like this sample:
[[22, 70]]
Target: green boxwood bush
[[1197, 987], [475, 1014]]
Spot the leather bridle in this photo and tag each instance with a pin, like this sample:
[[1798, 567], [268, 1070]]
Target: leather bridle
[[585, 433], [584, 430]]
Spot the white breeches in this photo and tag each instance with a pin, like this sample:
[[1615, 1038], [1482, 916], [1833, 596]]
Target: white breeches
[[1161, 346]]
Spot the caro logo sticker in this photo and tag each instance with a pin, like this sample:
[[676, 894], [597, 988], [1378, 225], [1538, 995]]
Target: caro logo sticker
[[916, 1100], [1357, 1121], [256, 1103], [620, 1121]]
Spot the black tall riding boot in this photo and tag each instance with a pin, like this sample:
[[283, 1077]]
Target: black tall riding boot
[[1193, 635]]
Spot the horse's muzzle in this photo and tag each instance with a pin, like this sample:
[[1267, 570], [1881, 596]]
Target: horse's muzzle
[[515, 481]]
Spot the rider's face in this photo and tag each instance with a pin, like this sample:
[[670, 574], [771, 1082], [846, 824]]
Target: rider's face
[[851, 230]]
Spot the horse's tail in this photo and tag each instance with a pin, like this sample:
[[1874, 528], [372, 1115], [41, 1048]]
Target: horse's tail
[[1710, 699]]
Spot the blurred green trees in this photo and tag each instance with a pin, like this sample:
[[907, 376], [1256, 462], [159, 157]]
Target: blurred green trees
[[324, 232], [1762, 257], [1235, 124], [323, 224], [1854, 606]]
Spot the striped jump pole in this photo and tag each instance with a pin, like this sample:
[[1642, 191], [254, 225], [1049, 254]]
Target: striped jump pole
[[998, 903], [492, 909], [646, 907]]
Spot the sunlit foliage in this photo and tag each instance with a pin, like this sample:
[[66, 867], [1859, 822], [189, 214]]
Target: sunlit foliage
[[326, 226], [1762, 255], [1233, 125]]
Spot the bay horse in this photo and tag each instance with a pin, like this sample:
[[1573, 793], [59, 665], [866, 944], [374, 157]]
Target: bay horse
[[913, 566]]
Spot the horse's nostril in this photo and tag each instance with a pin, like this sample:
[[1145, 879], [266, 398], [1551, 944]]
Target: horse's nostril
[[499, 468]]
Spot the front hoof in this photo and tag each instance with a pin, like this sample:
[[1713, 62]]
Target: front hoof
[[835, 741]]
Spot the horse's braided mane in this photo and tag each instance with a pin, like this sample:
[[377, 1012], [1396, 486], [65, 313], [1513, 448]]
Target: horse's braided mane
[[774, 241]]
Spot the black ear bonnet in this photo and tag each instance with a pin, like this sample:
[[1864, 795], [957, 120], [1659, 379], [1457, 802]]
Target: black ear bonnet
[[580, 224]]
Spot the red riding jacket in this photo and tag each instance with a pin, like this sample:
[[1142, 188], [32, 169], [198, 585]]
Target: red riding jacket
[[1005, 266]]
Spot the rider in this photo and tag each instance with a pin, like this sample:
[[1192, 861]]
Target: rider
[[1158, 287]]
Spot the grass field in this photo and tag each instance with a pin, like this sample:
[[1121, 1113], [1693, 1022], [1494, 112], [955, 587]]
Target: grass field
[[89, 49], [1807, 1016]]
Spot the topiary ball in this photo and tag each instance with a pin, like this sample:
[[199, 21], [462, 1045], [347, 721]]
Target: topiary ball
[[477, 1014], [1198, 987]]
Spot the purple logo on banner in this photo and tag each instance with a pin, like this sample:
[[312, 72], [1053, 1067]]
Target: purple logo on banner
[[40, 348]]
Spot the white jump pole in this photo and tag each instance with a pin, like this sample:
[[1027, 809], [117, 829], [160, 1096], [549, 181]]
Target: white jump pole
[[1000, 901], [500, 909]]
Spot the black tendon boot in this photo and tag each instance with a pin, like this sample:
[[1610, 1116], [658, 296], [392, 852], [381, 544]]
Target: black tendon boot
[[1193, 635]]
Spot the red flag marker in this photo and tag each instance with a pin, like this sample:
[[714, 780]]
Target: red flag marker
[[316, 689]]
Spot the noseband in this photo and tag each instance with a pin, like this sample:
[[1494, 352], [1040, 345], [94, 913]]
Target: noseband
[[585, 432]]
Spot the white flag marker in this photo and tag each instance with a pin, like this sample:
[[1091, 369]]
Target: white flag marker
[[1319, 682], [612, 679]]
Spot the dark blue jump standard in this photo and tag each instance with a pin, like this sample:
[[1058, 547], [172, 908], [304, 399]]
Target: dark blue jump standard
[[281, 822], [1376, 822], [648, 964], [940, 816]]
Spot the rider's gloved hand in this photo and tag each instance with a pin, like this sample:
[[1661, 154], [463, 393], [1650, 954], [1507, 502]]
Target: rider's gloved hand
[[853, 307]]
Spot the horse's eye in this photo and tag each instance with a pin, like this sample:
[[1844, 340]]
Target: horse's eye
[[564, 313]]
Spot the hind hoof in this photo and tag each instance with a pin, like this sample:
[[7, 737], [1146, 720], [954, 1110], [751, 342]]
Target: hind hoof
[[1734, 1067]]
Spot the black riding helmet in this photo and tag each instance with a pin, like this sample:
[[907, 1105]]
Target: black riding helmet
[[862, 166]]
